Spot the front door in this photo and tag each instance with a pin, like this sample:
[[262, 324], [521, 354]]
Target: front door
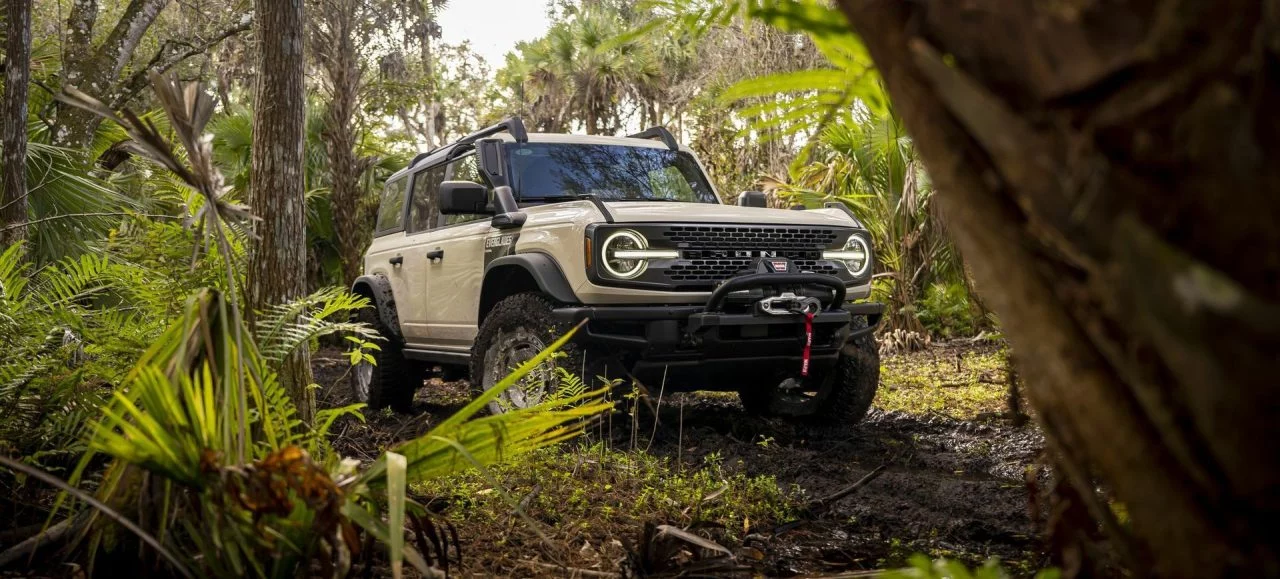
[[416, 269], [456, 270]]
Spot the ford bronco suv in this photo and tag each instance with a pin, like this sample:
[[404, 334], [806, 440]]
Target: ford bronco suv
[[488, 249]]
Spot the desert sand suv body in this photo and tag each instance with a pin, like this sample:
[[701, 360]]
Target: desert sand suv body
[[488, 249]]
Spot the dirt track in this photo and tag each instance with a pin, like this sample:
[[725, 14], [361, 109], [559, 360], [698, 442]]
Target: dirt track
[[949, 488]]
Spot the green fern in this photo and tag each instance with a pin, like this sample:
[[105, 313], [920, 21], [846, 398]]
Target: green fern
[[283, 328], [568, 385]]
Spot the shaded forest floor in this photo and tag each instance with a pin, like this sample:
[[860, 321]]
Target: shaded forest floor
[[953, 481]]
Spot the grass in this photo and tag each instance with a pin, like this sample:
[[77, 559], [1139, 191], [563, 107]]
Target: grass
[[962, 384], [597, 500]]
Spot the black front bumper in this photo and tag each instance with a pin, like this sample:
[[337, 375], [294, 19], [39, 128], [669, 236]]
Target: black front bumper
[[728, 338]]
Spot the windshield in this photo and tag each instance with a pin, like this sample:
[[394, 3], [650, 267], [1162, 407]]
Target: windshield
[[555, 171]]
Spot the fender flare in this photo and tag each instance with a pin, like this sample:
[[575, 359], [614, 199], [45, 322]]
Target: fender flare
[[543, 269], [378, 289]]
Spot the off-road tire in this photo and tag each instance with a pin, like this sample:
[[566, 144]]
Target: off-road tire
[[854, 379], [532, 313], [394, 378]]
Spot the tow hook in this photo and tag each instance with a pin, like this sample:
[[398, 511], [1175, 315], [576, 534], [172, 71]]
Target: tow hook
[[789, 304]]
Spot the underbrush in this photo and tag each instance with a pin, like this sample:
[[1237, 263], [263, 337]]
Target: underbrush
[[597, 500], [963, 383]]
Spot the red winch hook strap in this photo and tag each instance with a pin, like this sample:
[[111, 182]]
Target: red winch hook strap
[[808, 343]]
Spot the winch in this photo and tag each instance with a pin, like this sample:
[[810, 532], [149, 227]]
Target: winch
[[788, 303]]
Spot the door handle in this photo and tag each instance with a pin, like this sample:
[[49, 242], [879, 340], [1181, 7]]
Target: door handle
[[397, 260], [435, 254]]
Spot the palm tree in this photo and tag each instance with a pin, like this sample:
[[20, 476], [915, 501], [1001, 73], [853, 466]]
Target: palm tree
[[581, 71], [869, 162]]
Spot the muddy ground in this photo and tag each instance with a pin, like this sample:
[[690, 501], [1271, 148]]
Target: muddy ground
[[949, 487]]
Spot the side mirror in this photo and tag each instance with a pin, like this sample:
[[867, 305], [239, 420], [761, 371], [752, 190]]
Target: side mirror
[[509, 215], [753, 199], [463, 198]]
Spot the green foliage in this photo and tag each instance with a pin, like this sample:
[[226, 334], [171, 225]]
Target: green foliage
[[580, 72], [868, 162], [946, 311], [283, 328], [247, 488], [923, 568], [960, 384], [232, 141], [70, 207], [68, 330], [568, 384], [597, 491], [805, 99]]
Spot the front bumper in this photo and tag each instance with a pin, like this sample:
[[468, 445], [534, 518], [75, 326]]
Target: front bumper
[[727, 338]]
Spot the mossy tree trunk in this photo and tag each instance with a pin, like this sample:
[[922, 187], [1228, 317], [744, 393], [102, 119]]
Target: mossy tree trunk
[[95, 68], [1108, 171], [278, 264]]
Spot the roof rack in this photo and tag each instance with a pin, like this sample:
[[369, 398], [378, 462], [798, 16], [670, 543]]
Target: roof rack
[[658, 133], [511, 125]]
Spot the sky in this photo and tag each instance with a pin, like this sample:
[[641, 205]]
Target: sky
[[493, 26]]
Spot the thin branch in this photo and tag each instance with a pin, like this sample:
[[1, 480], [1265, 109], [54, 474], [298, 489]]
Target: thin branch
[[28, 547], [100, 506], [842, 493], [160, 63]]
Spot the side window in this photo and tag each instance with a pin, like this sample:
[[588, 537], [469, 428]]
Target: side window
[[466, 169], [391, 207], [423, 211]]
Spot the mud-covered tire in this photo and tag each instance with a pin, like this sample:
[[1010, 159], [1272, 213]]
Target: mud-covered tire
[[845, 397], [392, 381], [528, 316], [856, 381]]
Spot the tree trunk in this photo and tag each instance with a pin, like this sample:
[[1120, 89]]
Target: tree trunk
[[340, 59], [278, 265], [429, 78], [1105, 170], [96, 70], [13, 135]]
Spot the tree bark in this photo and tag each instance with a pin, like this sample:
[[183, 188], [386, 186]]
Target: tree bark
[[13, 135], [278, 264], [96, 69], [1103, 167], [340, 59]]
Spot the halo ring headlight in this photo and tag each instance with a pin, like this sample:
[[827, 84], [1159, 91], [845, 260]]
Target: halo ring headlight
[[625, 242], [855, 255]]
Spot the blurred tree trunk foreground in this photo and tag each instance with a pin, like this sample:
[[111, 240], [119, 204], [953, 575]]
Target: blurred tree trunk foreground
[[278, 266], [1108, 170]]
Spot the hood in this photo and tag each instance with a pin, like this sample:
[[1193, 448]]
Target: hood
[[671, 212]]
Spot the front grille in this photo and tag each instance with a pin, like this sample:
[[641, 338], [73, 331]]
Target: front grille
[[736, 237], [715, 270], [711, 253]]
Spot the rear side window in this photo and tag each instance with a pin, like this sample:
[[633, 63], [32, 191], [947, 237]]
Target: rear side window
[[424, 211], [391, 208]]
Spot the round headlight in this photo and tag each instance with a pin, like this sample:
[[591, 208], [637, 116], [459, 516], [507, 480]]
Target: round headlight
[[615, 250], [856, 256]]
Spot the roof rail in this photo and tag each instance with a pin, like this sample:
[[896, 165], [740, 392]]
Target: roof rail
[[511, 125], [658, 133]]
